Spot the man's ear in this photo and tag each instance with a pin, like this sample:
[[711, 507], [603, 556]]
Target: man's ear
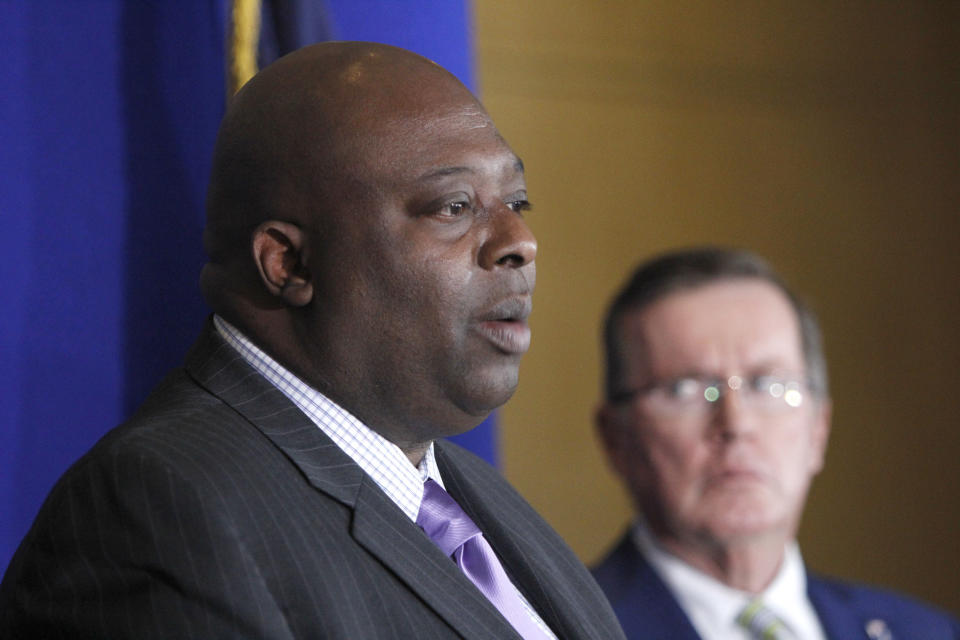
[[279, 252], [821, 433], [610, 432]]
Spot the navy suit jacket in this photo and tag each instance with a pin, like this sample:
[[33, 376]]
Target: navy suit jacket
[[647, 609], [220, 511]]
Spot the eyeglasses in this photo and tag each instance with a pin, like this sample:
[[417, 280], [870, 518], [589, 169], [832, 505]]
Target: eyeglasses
[[695, 395]]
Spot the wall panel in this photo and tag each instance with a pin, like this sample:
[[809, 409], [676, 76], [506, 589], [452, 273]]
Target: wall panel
[[824, 136]]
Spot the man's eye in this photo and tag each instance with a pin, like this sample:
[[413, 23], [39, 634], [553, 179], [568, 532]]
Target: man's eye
[[520, 205], [453, 209], [764, 384], [683, 388]]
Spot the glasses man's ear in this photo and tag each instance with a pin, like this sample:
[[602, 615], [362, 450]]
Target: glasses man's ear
[[823, 413], [613, 429]]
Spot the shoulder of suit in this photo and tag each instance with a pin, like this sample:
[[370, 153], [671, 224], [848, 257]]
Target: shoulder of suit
[[621, 561], [882, 603], [178, 419]]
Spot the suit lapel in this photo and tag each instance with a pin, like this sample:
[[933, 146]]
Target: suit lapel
[[642, 601], [521, 561], [390, 536], [378, 525], [656, 602], [838, 619], [536, 563], [217, 367]]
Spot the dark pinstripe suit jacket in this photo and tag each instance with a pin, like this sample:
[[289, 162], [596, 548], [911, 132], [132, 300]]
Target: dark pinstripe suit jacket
[[220, 511]]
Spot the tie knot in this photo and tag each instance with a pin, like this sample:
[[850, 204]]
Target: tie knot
[[442, 519]]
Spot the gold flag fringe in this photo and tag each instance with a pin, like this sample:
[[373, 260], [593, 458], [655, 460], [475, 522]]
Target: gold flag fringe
[[242, 44]]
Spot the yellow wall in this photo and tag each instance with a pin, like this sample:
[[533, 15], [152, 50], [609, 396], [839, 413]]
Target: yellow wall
[[825, 136]]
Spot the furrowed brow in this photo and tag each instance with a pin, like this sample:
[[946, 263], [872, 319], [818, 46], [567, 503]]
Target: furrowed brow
[[443, 172]]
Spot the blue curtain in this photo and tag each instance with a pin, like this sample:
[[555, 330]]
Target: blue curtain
[[108, 118]]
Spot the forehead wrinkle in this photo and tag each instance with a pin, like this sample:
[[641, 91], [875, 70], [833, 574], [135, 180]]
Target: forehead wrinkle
[[466, 118], [442, 172]]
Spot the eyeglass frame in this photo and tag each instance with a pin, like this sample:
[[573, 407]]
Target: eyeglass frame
[[797, 387]]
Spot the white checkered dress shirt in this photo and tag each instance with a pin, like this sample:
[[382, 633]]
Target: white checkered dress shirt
[[381, 459]]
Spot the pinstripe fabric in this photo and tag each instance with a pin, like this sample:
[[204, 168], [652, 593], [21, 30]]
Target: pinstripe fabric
[[220, 511]]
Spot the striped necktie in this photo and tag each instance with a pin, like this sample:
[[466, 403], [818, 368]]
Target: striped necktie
[[451, 529], [761, 622]]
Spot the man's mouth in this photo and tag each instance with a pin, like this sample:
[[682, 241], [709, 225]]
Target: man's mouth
[[736, 475], [505, 325]]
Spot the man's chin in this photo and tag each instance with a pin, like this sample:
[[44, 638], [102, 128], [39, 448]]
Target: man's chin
[[487, 394], [742, 516], [737, 529]]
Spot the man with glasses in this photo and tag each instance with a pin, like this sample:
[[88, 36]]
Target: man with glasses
[[716, 418]]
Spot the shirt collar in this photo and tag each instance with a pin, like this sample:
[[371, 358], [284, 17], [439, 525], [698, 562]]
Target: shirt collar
[[382, 460], [713, 606]]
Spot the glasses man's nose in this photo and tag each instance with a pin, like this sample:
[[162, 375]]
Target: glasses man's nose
[[731, 414]]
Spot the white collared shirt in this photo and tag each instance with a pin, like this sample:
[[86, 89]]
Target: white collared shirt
[[381, 459], [713, 607]]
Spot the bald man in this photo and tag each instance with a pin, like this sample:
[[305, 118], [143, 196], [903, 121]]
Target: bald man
[[370, 273]]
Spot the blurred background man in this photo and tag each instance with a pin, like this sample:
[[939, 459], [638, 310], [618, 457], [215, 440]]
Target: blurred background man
[[716, 418]]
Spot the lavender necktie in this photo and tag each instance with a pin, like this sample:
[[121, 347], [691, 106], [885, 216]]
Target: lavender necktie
[[456, 534]]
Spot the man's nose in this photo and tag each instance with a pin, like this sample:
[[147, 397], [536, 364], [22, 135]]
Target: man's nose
[[510, 242], [731, 418]]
